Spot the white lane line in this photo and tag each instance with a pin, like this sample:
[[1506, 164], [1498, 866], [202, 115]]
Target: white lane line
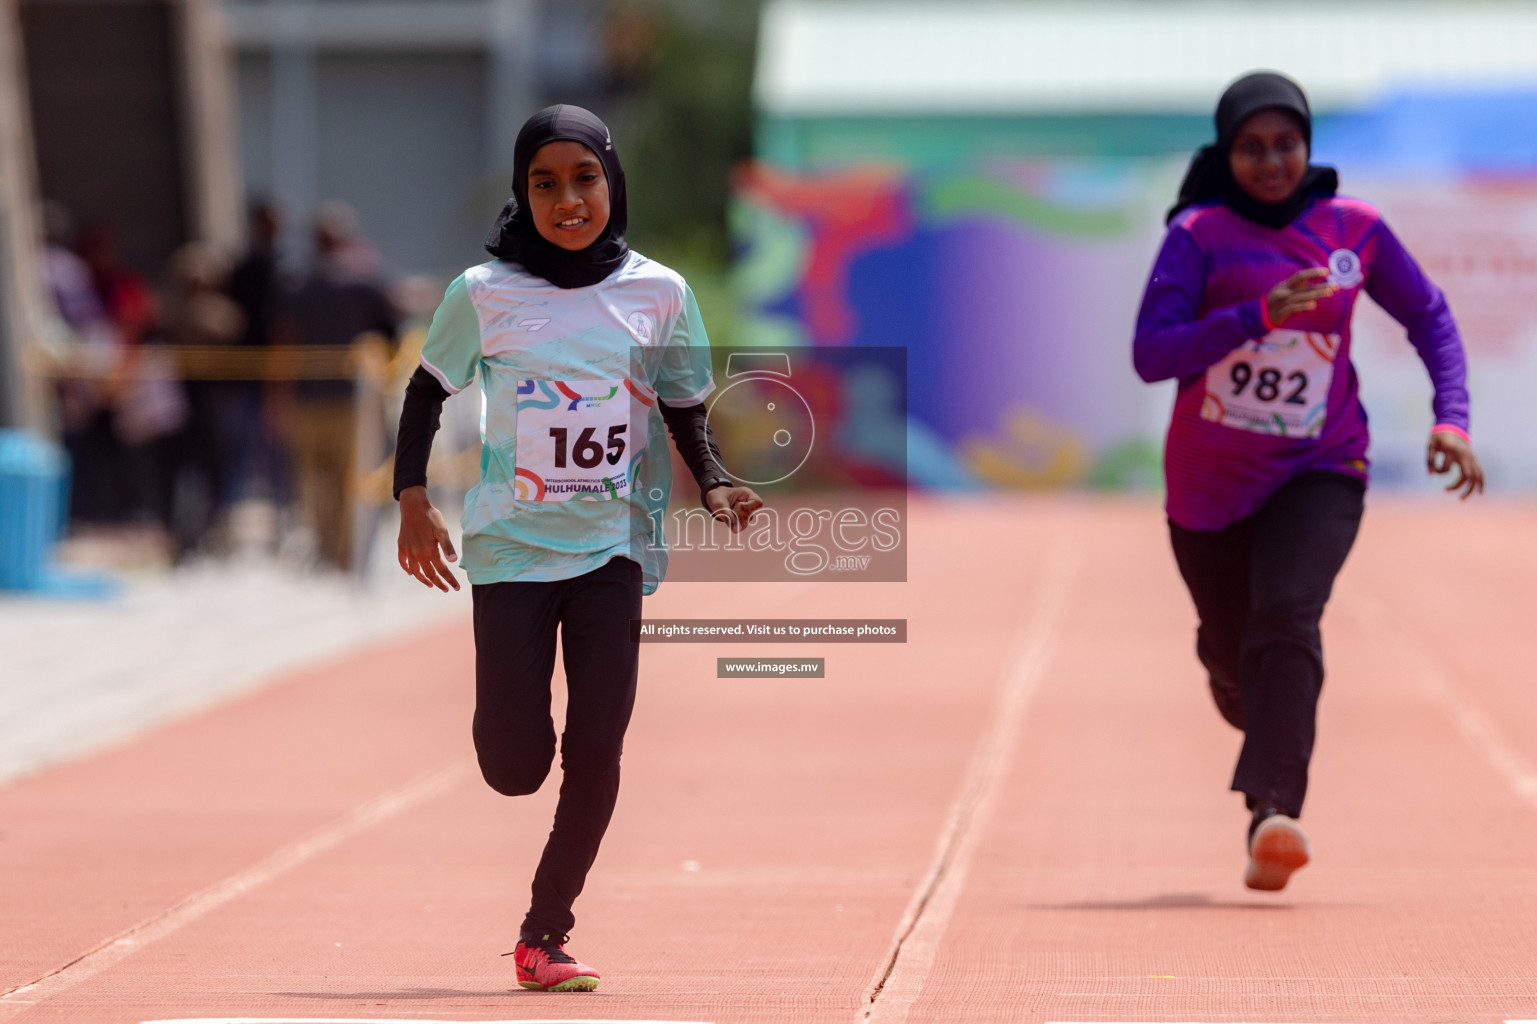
[[131, 940], [410, 1020], [1474, 726], [903, 973]]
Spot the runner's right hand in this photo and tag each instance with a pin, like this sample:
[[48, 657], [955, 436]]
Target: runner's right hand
[[423, 535], [734, 505], [1447, 452], [1298, 294]]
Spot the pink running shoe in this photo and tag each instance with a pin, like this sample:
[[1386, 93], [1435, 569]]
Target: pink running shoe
[[1277, 848], [547, 967]]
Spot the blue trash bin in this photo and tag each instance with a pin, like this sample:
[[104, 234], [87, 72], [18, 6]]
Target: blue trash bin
[[31, 482], [34, 476]]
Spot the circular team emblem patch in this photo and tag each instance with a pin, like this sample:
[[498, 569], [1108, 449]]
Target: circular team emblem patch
[[1344, 268], [640, 326]]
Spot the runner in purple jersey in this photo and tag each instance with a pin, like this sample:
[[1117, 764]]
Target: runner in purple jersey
[[1249, 308]]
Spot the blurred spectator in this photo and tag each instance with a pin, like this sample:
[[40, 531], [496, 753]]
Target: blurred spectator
[[352, 253], [127, 297], [335, 303], [100, 483], [252, 452], [198, 311], [68, 277], [148, 403], [133, 399], [190, 464]]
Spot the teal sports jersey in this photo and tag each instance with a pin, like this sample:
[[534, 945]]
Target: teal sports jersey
[[574, 465]]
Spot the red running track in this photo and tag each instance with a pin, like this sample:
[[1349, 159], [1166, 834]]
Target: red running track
[[1019, 815]]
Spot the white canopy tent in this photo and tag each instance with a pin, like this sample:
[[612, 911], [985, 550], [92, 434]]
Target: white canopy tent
[[829, 57]]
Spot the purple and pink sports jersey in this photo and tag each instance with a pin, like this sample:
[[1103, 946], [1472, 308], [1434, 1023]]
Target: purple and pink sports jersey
[[1257, 404]]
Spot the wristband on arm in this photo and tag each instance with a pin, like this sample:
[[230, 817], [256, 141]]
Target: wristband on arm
[[1451, 428]]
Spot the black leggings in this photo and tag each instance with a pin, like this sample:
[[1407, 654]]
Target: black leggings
[[515, 625], [1260, 587]]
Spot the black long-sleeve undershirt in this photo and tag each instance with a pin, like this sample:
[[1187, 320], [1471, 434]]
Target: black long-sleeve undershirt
[[689, 426], [420, 417]]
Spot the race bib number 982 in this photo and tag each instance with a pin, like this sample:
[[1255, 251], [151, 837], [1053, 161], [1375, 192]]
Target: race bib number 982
[[579, 438], [1278, 384]]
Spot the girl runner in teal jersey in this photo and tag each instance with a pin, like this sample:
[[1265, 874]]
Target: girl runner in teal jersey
[[584, 350]]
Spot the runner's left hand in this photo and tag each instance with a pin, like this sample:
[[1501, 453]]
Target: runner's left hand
[[734, 505], [1447, 451]]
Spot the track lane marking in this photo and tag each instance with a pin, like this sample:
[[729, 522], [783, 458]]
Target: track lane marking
[[411, 1020], [1473, 725], [910, 958], [112, 951], [129, 941]]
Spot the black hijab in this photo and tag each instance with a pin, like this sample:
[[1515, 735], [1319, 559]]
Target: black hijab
[[1211, 176], [513, 237]]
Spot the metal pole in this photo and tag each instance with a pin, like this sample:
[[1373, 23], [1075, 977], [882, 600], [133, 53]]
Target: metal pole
[[23, 302], [213, 143]]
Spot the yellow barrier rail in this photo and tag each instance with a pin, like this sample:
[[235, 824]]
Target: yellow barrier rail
[[378, 369], [370, 354]]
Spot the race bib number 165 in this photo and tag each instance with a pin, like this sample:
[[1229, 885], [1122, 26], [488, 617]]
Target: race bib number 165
[[1278, 384], [579, 438]]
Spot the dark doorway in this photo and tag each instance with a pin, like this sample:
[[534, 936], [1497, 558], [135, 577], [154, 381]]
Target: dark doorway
[[104, 78]]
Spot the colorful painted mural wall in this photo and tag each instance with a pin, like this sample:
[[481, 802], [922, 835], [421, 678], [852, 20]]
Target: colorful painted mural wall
[[1013, 283], [1007, 283]]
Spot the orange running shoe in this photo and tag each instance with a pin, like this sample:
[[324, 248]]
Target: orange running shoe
[[546, 966], [1277, 847]]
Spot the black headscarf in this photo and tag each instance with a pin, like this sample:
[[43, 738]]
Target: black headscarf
[[1211, 176], [513, 237]]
